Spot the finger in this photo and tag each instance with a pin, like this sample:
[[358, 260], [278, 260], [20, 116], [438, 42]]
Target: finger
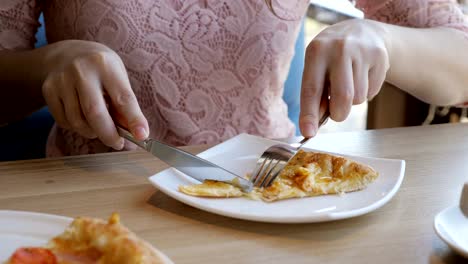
[[95, 111], [124, 102], [73, 112], [361, 83], [54, 103], [376, 79], [311, 92], [341, 90], [325, 101]]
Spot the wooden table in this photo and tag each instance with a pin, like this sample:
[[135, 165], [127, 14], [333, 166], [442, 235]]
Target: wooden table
[[399, 232]]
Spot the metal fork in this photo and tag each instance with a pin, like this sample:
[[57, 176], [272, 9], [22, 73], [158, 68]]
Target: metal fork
[[273, 160]]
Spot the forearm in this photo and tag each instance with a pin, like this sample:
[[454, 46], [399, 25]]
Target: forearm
[[431, 64], [21, 77]]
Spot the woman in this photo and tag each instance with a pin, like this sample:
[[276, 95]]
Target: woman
[[190, 72]]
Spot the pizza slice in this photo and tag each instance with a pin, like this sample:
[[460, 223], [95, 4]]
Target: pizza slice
[[306, 174], [90, 240]]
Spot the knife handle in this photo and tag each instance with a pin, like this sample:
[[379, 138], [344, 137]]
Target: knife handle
[[127, 135]]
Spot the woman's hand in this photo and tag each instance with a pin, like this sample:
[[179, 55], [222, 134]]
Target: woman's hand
[[83, 81], [347, 64]]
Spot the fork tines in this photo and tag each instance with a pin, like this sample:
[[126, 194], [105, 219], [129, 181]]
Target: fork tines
[[267, 171]]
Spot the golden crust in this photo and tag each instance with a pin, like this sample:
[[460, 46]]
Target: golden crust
[[311, 174], [106, 242], [306, 174]]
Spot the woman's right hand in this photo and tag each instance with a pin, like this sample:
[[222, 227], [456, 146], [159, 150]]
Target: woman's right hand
[[346, 64], [83, 81]]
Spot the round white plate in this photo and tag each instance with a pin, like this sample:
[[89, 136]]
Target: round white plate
[[239, 155], [22, 229], [452, 227]]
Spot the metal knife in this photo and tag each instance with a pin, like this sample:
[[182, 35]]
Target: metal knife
[[187, 163]]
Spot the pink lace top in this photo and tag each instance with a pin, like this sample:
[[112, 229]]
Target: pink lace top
[[203, 71]]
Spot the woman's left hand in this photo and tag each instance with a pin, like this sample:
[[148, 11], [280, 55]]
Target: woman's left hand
[[346, 64]]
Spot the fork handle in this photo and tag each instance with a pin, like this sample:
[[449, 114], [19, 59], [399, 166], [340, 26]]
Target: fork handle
[[322, 121]]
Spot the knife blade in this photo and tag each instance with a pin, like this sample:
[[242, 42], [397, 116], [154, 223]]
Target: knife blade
[[189, 164]]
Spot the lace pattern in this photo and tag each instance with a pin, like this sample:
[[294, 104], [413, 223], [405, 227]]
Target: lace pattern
[[203, 71], [18, 23], [419, 14]]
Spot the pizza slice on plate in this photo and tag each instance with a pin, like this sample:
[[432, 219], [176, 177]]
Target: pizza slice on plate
[[306, 174], [90, 240]]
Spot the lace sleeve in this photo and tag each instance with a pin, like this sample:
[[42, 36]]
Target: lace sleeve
[[416, 13], [288, 10], [18, 24]]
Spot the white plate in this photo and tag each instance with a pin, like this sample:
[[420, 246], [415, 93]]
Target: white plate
[[28, 229], [239, 155], [20, 229], [452, 227]]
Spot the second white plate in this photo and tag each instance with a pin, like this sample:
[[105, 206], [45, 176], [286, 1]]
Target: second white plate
[[239, 155], [452, 227], [27, 229]]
